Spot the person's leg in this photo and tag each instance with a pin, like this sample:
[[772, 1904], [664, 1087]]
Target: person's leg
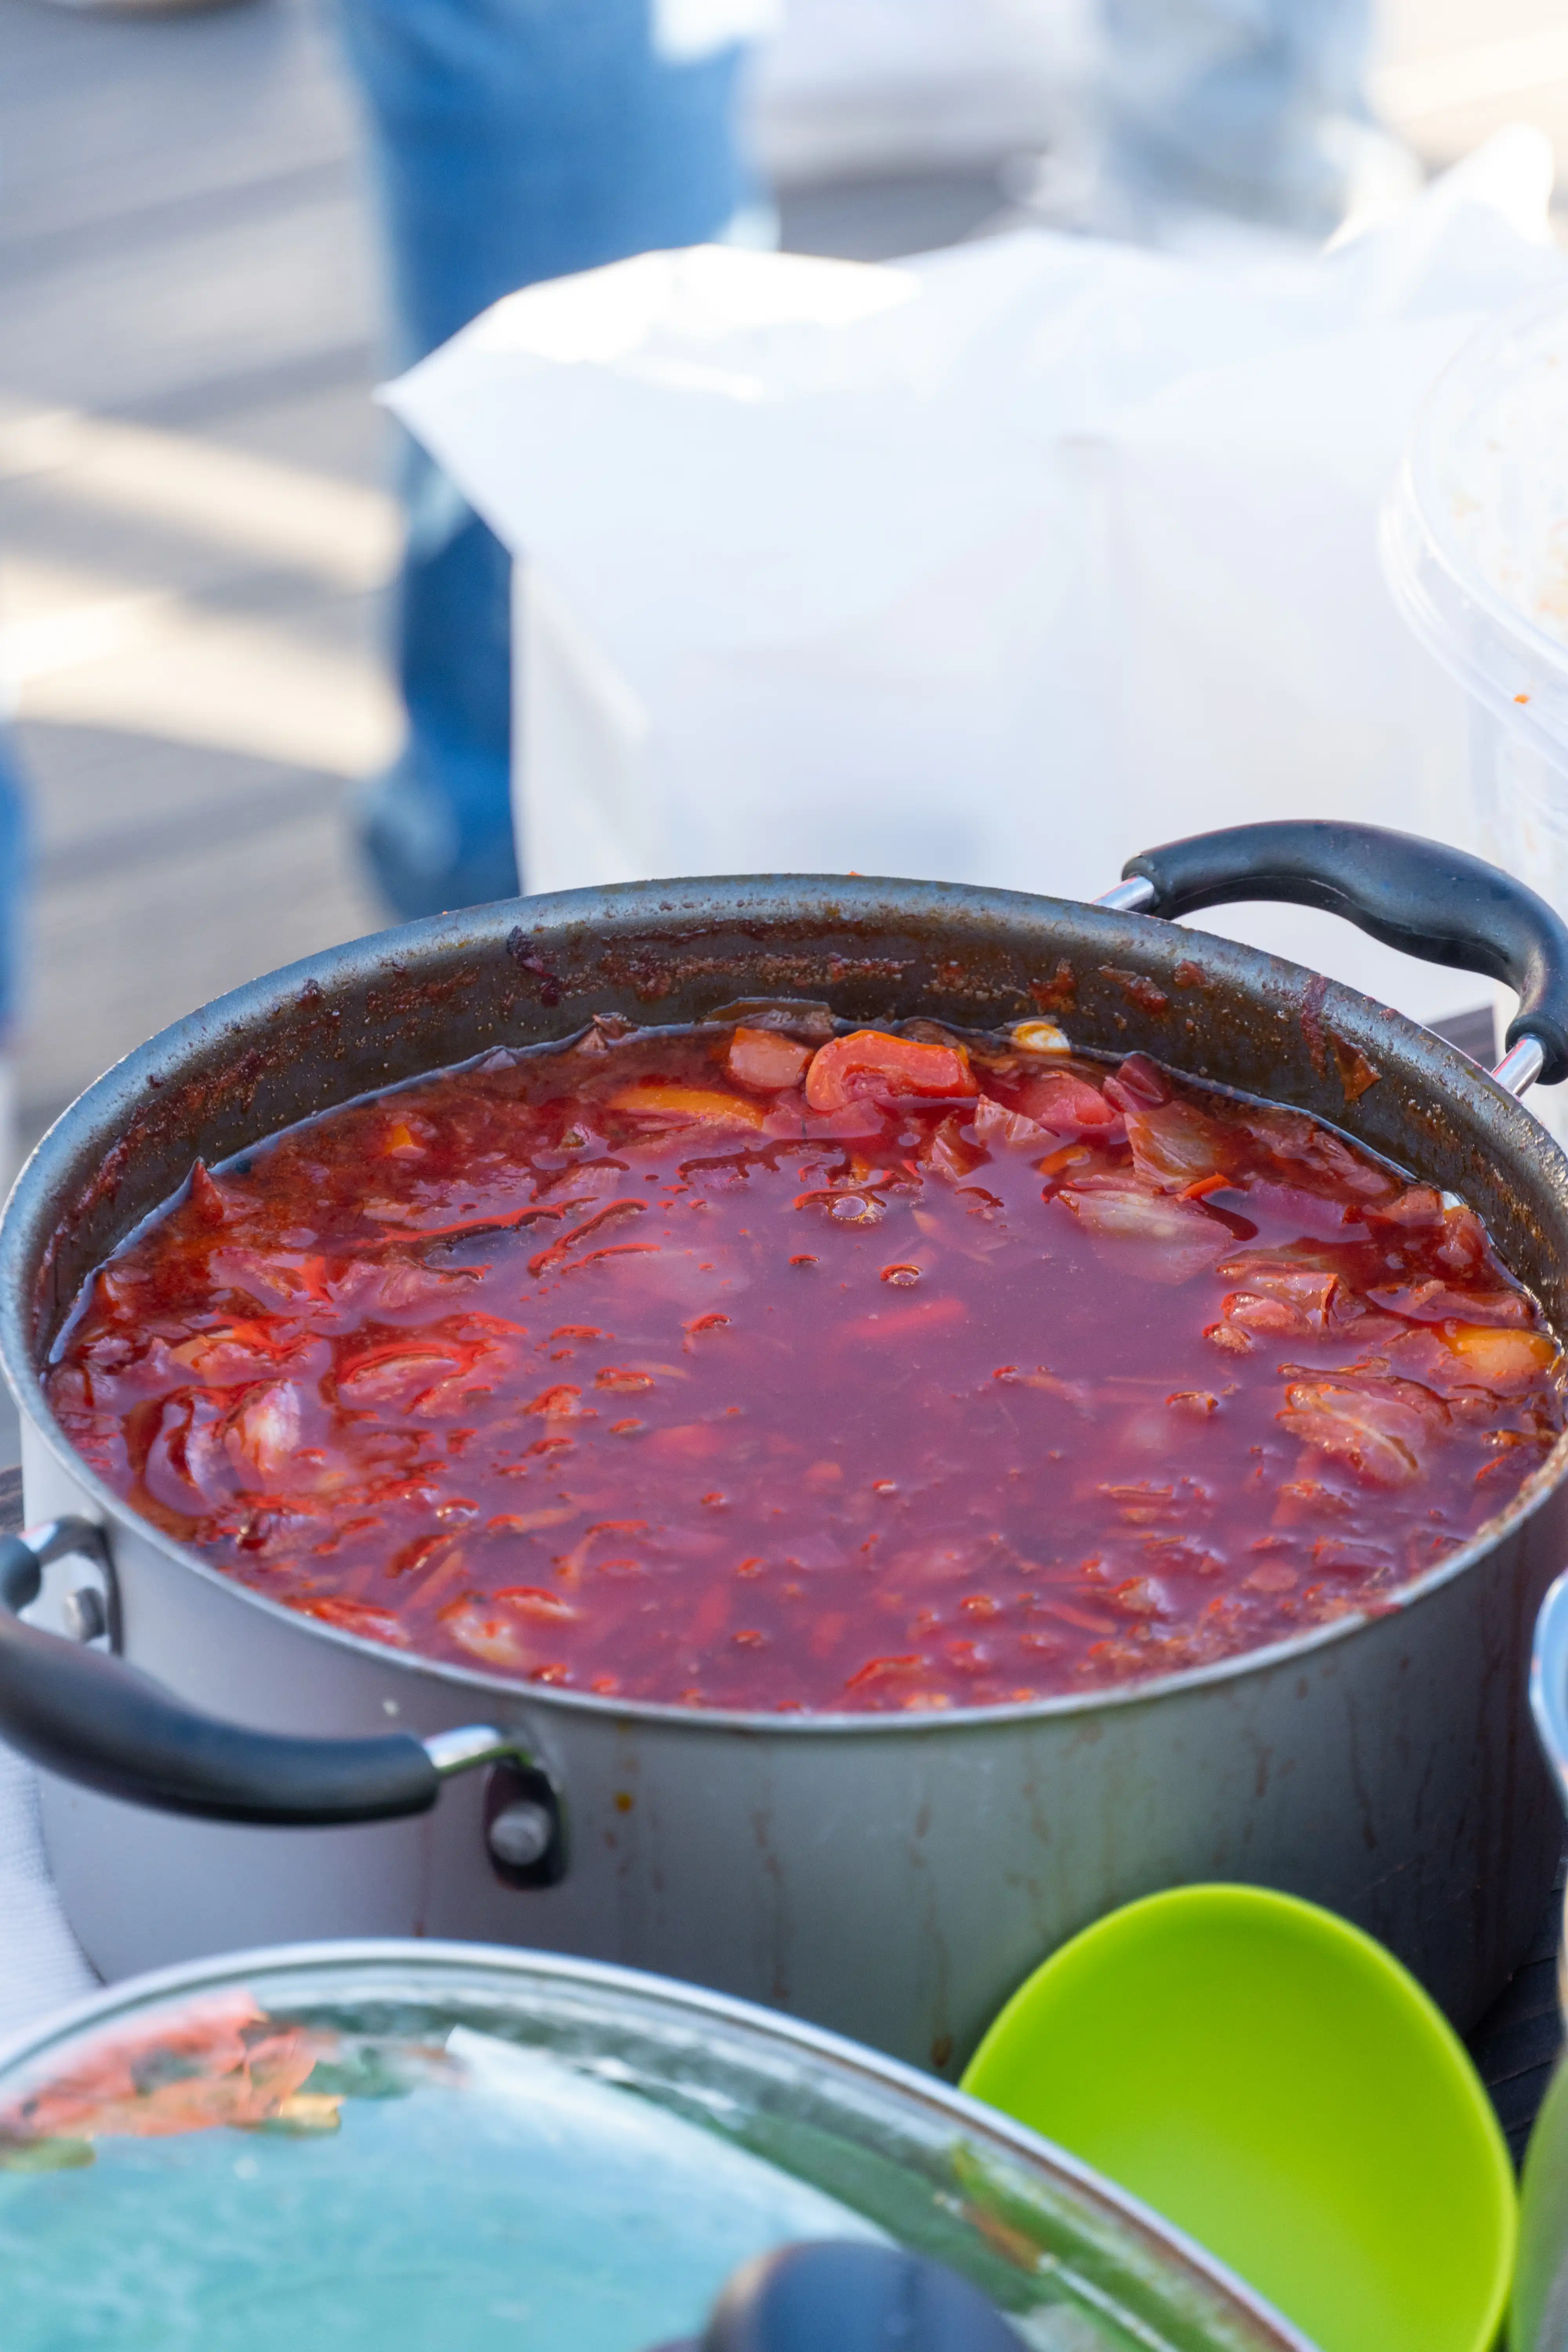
[[511, 141]]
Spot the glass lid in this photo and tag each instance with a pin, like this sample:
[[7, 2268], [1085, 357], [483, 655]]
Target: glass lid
[[402, 2146]]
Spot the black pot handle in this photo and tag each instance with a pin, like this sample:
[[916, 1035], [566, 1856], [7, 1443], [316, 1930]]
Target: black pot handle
[[1418, 895], [94, 1719]]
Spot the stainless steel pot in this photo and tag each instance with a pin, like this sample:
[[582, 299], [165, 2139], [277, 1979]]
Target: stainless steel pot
[[890, 1877]]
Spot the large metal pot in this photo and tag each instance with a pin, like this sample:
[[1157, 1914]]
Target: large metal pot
[[890, 1877]]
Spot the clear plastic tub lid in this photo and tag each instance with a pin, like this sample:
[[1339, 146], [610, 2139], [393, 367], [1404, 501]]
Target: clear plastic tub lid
[[1475, 532], [408, 2147]]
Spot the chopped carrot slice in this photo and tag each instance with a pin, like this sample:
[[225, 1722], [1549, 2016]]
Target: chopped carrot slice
[[1499, 1356], [651, 1099]]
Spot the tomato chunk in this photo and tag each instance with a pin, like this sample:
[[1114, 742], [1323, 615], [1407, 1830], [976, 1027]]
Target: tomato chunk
[[1066, 1104], [870, 1062]]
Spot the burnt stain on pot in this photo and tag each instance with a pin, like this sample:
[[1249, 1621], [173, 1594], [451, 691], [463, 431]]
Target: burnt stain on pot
[[627, 1824], [654, 978], [956, 980], [1137, 989], [527, 958], [1359, 1788], [406, 993], [1035, 1803], [1030, 1882], [1356, 1073], [1312, 998], [802, 1017], [774, 1920], [1263, 1765], [1057, 994], [925, 1892]]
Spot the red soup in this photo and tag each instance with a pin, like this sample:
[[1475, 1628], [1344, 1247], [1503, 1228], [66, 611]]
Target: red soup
[[774, 1368]]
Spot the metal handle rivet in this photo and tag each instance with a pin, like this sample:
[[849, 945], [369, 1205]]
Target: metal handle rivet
[[85, 1615], [520, 1834]]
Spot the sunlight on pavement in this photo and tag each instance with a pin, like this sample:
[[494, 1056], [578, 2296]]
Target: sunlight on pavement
[[262, 508]]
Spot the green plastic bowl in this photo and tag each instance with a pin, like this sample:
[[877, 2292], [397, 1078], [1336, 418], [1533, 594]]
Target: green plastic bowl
[[1272, 2081]]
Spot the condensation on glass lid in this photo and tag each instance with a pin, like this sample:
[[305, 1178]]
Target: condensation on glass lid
[[340, 2190], [254, 2170]]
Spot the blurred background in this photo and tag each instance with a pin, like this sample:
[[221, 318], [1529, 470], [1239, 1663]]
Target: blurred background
[[197, 533]]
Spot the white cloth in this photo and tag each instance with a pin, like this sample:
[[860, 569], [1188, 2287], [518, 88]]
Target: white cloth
[[42, 1967]]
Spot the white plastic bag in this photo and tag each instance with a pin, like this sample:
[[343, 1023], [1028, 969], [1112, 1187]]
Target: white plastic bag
[[998, 566]]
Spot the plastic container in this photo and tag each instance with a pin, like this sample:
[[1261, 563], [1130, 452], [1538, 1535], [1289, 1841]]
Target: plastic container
[[406, 2147], [1475, 542], [1273, 2080]]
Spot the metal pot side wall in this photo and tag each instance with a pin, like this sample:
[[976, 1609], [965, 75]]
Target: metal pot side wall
[[893, 1881], [897, 1884]]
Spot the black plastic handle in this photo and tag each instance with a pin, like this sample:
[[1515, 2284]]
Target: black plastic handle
[[849, 2295], [93, 1719], [1430, 902]]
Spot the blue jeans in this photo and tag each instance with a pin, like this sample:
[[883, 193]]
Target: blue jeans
[[509, 141]]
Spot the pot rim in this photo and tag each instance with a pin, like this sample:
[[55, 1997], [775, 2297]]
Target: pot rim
[[138, 1070], [672, 1994]]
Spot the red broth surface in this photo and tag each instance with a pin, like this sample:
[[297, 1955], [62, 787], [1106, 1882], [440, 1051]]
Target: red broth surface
[[735, 1367]]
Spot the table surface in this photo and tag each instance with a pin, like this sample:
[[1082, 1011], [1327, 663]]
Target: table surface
[[1515, 2047]]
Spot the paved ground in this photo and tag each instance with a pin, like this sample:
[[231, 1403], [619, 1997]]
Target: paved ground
[[194, 540], [193, 533], [193, 537]]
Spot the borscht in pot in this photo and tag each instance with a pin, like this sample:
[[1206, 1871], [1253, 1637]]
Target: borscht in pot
[[811, 1434], [778, 1364]]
